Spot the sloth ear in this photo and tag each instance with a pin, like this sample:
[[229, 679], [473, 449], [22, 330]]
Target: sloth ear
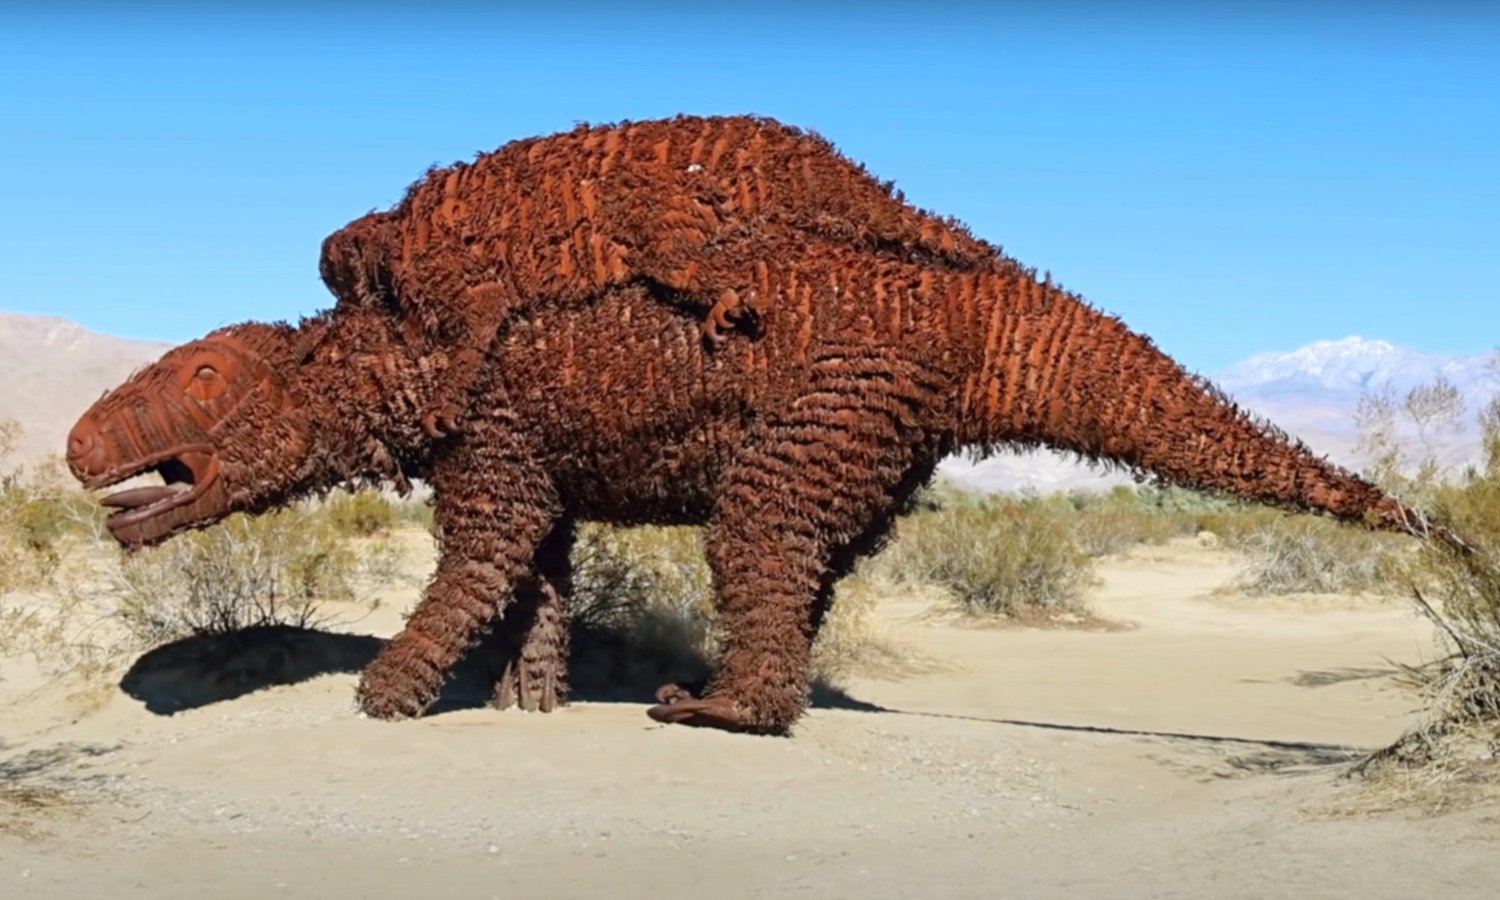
[[303, 347], [309, 338]]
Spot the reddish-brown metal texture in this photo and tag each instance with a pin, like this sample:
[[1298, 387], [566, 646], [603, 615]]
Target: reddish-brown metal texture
[[560, 218], [795, 448]]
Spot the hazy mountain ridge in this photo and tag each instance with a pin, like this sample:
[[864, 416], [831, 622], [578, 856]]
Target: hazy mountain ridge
[[54, 368], [1314, 391], [1325, 371]]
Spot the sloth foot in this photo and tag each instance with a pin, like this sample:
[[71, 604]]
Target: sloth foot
[[384, 694], [679, 707]]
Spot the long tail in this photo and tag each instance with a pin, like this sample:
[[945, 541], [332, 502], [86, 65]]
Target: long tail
[[1054, 371]]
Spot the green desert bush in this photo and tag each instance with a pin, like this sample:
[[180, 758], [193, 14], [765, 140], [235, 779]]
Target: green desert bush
[[994, 554], [362, 513], [418, 512], [622, 576], [640, 608], [648, 592], [38, 512], [1124, 517], [1460, 593]]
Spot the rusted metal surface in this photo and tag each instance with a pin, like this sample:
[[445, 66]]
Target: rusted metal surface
[[559, 218], [795, 445]]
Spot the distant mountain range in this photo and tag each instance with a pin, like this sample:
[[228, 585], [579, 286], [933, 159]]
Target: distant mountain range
[[1313, 391], [54, 368]]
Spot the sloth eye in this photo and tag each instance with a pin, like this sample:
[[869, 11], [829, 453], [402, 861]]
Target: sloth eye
[[206, 383]]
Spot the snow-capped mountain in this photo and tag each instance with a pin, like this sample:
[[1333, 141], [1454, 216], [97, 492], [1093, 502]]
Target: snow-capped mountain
[[1314, 391], [1327, 370]]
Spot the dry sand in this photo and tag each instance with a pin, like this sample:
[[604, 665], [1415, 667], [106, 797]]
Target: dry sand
[[1195, 754]]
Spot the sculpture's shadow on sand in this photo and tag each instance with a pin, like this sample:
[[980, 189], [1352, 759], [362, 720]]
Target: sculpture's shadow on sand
[[200, 671]]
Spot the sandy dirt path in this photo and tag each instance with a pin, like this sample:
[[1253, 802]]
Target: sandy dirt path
[[1190, 755]]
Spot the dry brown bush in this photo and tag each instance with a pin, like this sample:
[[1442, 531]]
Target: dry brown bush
[[287, 567], [1453, 751], [1295, 553]]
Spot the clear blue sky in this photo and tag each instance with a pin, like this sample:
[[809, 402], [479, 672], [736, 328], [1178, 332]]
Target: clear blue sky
[[1228, 182]]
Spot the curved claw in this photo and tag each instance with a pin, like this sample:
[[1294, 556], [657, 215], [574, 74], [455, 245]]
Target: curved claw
[[439, 424], [712, 333], [673, 693], [728, 309]]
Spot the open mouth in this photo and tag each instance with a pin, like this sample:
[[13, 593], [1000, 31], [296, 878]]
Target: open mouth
[[185, 475]]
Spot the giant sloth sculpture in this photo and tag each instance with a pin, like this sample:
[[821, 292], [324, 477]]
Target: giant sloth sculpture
[[795, 449]]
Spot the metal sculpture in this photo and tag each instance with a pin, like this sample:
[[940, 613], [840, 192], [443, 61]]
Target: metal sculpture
[[795, 447]]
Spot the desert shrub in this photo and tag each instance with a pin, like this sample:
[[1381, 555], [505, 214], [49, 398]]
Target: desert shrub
[[852, 639], [1457, 739], [640, 608], [620, 574], [418, 512], [1295, 553], [362, 513], [1467, 587], [1110, 530], [36, 512], [278, 568], [1113, 522], [1460, 593], [649, 590], [10, 435], [23, 565], [1181, 501], [994, 554]]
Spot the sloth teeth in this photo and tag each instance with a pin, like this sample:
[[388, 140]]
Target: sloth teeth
[[136, 498]]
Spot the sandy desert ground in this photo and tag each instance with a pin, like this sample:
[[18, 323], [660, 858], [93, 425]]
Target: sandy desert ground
[[1193, 754]]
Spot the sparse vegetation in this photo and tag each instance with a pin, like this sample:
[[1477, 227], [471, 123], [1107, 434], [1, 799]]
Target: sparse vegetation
[[1124, 517], [362, 513], [993, 554], [647, 593], [1460, 593], [1023, 557], [85, 607], [1289, 553], [1458, 740], [280, 568], [37, 513]]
